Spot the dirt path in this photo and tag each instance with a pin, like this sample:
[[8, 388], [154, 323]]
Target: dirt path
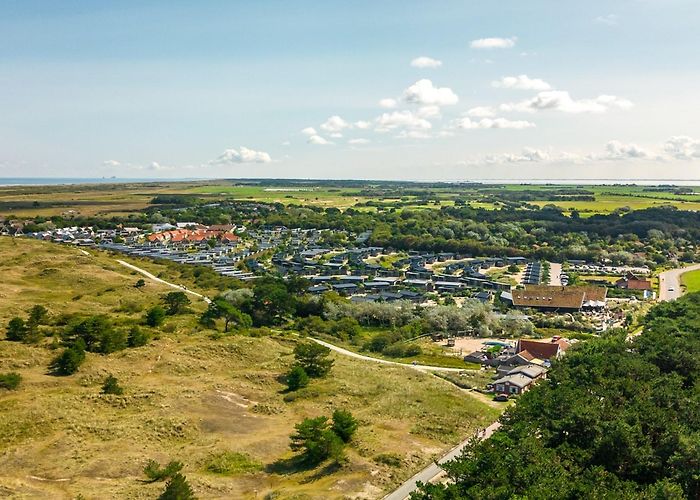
[[157, 279], [355, 355]]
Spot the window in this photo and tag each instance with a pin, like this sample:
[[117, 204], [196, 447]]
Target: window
[[513, 390]]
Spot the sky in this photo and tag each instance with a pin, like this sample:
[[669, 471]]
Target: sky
[[414, 90]]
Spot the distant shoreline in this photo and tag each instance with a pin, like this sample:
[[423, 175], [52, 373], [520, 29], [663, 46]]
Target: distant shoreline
[[58, 181]]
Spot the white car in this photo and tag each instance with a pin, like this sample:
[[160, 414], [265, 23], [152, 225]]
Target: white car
[[671, 289]]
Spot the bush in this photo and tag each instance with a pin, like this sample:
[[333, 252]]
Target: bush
[[137, 337], [344, 425], [68, 362], [313, 358], [176, 302], [155, 316], [297, 378], [316, 440], [390, 459], [231, 462], [111, 386], [155, 472], [177, 489], [16, 330], [10, 381]]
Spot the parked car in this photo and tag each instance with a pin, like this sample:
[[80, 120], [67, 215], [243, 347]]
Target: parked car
[[501, 398]]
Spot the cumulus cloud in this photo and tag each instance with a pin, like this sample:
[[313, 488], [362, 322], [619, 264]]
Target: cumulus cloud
[[560, 100], [358, 141], [362, 125], [521, 82], [309, 131], [616, 150], [469, 124], [493, 43], [423, 92], [387, 103], [242, 155], [428, 111], [481, 112], [111, 163], [682, 147], [335, 124], [318, 140], [401, 119], [413, 134], [425, 62]]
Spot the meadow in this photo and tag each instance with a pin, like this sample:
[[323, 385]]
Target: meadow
[[216, 403]]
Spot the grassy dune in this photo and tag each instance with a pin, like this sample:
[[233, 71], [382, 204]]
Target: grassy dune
[[216, 405]]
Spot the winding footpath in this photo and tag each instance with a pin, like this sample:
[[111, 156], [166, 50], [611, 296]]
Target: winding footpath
[[157, 279]]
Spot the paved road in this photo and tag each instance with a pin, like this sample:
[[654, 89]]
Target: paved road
[[385, 361], [155, 278], [672, 279], [434, 470]]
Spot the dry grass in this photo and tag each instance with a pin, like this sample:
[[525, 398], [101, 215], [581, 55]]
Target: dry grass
[[191, 398]]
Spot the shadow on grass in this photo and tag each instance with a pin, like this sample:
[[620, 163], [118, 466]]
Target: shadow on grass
[[300, 463]]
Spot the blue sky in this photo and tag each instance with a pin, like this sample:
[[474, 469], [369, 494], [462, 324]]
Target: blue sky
[[509, 89]]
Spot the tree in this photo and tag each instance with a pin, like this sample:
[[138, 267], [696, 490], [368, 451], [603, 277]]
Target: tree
[[316, 440], [155, 316], [68, 362], [176, 302], [221, 308], [10, 381], [344, 425], [313, 358], [137, 337], [177, 489], [37, 316], [155, 472], [297, 378], [111, 386], [16, 330]]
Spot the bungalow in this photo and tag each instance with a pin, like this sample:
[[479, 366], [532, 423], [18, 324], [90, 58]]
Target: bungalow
[[632, 282], [513, 384]]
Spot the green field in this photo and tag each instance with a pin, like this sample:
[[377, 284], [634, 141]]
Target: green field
[[691, 281]]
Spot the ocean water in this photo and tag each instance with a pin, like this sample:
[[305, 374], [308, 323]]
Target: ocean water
[[55, 181]]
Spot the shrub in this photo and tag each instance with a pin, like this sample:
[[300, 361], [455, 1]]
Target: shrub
[[344, 425], [137, 337], [313, 358], [10, 381], [111, 386], [155, 472], [297, 378], [155, 316], [177, 489], [68, 362], [316, 440]]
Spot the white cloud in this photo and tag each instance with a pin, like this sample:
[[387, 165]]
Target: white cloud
[[493, 43], [362, 125], [388, 103], [358, 141], [428, 111], [682, 147], [336, 135], [111, 163], [468, 123], [423, 92], [616, 150], [521, 82], [481, 112], [413, 134], [608, 20], [425, 62], [318, 140], [243, 155], [335, 124], [401, 119], [560, 100], [309, 131]]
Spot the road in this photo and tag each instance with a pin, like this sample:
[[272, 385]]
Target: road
[[672, 279], [555, 274], [434, 470], [157, 279], [355, 355]]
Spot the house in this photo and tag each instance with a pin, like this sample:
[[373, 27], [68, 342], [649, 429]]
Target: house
[[560, 298], [513, 384], [632, 282], [535, 372], [543, 349]]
